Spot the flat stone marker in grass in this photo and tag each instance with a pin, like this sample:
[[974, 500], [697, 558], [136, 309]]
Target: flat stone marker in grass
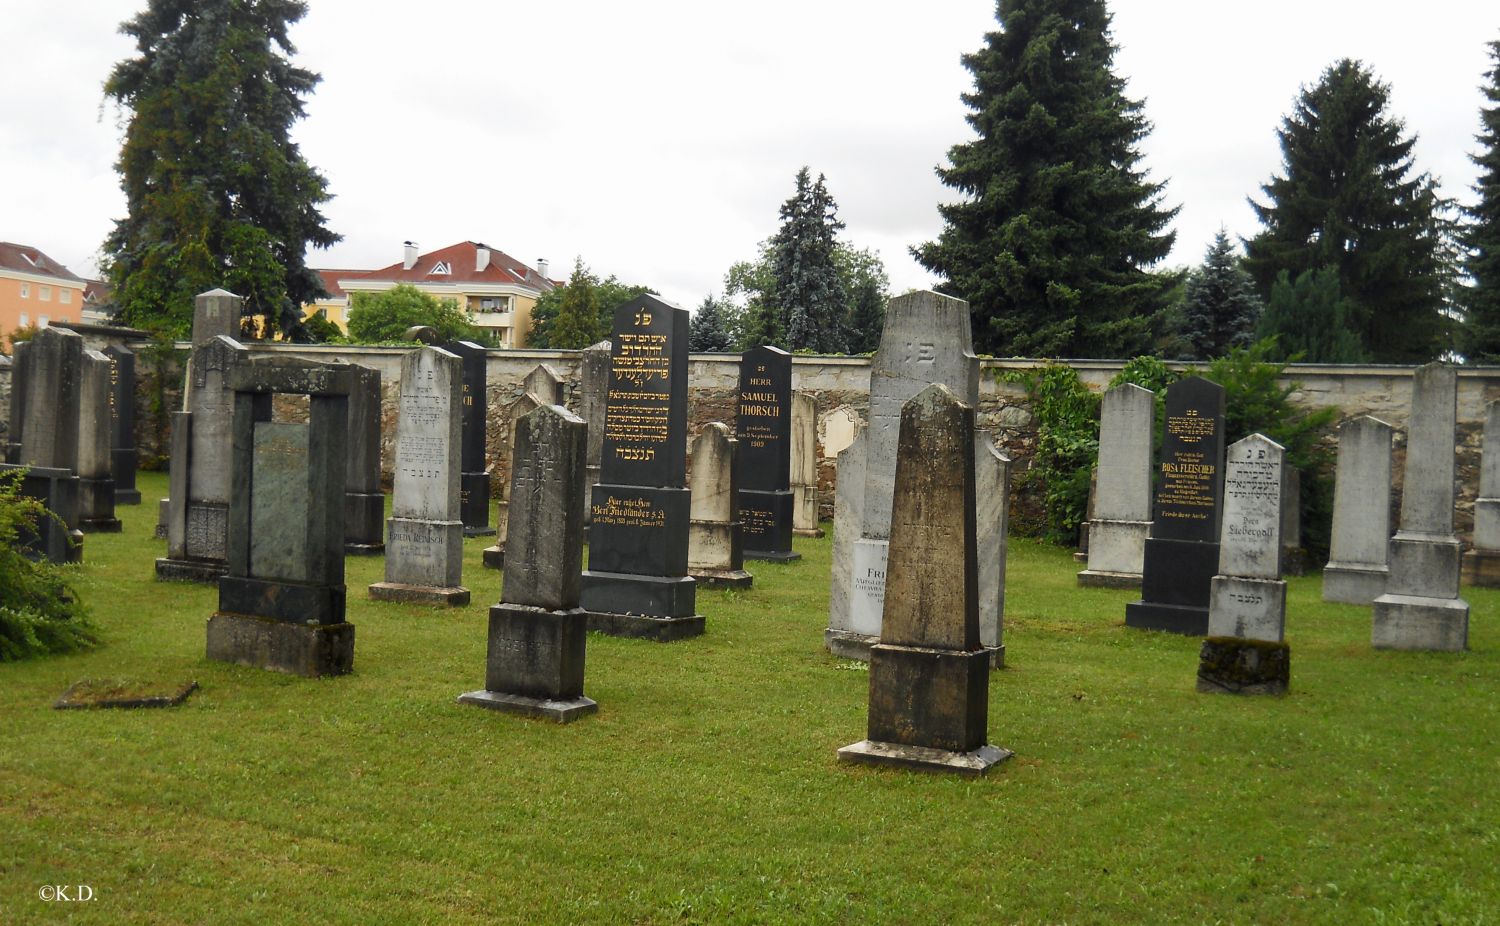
[[1420, 609], [474, 480], [1481, 565], [714, 555], [1359, 546], [364, 502], [1182, 553], [805, 466], [123, 455], [763, 427], [929, 674], [123, 693], [1246, 651], [538, 633], [96, 485], [1121, 499], [425, 534], [281, 600]]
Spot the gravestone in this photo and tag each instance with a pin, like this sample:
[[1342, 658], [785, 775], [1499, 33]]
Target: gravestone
[[851, 595], [123, 456], [96, 487], [199, 483], [57, 490], [544, 383], [537, 632], [216, 313], [929, 674], [282, 597], [424, 540], [992, 526], [1481, 565], [637, 582], [1293, 554], [714, 556], [51, 386], [839, 427], [474, 482], [805, 466], [19, 378], [1121, 499], [364, 502], [593, 390], [1359, 546], [1182, 553], [763, 427], [1246, 651], [1420, 609], [494, 555], [926, 339]]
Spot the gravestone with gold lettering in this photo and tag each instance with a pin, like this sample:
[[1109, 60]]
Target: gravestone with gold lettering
[[637, 583], [763, 427], [123, 456], [1182, 553], [474, 479]]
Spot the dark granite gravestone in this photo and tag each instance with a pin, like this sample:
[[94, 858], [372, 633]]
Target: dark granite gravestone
[[637, 582], [122, 424], [537, 632], [57, 490], [364, 503], [474, 478], [929, 674], [1182, 553], [96, 487], [281, 600], [18, 382], [52, 383], [763, 427]]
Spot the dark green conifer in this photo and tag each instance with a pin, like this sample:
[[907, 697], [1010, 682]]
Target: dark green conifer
[[1220, 307], [1482, 344]]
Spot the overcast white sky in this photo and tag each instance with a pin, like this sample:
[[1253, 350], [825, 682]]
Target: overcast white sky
[[657, 139]]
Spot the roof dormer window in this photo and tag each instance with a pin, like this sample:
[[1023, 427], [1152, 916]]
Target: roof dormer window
[[441, 268]]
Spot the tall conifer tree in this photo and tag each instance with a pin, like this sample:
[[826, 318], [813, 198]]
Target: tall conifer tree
[[1220, 307], [807, 290], [1482, 344], [1052, 243], [1349, 198], [217, 193]]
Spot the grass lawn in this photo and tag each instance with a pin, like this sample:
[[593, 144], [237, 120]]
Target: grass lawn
[[706, 789]]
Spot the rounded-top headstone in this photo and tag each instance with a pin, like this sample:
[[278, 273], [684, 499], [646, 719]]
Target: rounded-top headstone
[[1250, 543], [1192, 457], [645, 420], [422, 334]]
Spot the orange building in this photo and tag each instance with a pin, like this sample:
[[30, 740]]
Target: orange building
[[36, 290]]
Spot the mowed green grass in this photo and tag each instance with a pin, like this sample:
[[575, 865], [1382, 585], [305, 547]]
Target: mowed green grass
[[706, 788]]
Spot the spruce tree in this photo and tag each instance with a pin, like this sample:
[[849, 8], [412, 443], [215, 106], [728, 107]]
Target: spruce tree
[[1309, 319], [807, 291], [1348, 197], [1220, 307], [708, 331], [576, 324], [1052, 242], [217, 194], [1482, 344]]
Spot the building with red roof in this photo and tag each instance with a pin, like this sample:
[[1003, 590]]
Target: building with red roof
[[36, 290]]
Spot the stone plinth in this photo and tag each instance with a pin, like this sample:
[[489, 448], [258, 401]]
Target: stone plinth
[[308, 650]]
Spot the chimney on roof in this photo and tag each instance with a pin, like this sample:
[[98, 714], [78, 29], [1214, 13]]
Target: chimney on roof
[[481, 258], [410, 259], [541, 267]]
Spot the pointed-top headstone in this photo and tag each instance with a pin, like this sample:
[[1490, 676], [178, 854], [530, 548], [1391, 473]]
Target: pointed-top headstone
[[216, 312], [544, 383]]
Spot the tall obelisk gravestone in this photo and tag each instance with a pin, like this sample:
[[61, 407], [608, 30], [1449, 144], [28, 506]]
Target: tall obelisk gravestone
[[1122, 495], [1420, 609], [805, 466], [96, 487], [929, 674], [637, 582], [424, 541], [1246, 651], [1481, 565], [714, 555], [537, 632], [1359, 548], [474, 482], [281, 600], [122, 424], [1182, 553], [364, 502], [763, 427]]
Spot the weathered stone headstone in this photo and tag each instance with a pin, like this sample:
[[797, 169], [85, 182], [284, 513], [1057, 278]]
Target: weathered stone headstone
[[926, 339], [364, 502], [1293, 554], [494, 555], [57, 490], [1420, 609], [474, 482], [1359, 547], [805, 466], [1246, 652], [281, 600], [763, 427], [593, 391], [216, 313], [96, 488], [425, 535], [544, 383], [637, 582], [992, 526], [123, 456], [851, 596], [537, 632], [929, 674], [714, 555], [19, 378], [50, 385], [1182, 553], [1122, 495], [839, 427], [1481, 565]]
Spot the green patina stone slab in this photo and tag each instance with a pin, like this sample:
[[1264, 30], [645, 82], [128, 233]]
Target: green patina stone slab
[[124, 693]]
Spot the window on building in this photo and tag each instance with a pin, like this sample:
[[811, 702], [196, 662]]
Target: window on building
[[25, 290], [44, 293], [41, 321], [65, 296], [441, 267], [25, 320]]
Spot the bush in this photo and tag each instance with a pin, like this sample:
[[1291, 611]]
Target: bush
[[1067, 416], [39, 611], [376, 318]]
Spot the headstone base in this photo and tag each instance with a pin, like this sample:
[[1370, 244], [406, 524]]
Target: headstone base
[[645, 627], [364, 523], [163, 517], [363, 549], [96, 506], [1183, 619], [474, 504], [1175, 581], [125, 460], [100, 525], [1091, 578], [57, 489], [1230, 665], [1353, 584], [1407, 622], [813, 532], [1424, 567], [494, 557], [766, 525], [723, 578], [127, 496], [1115, 546], [293, 602], [773, 555], [846, 644], [923, 759], [308, 650], [652, 596], [935, 698], [453, 597], [204, 571], [1294, 561], [540, 708], [1241, 608], [1482, 568]]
